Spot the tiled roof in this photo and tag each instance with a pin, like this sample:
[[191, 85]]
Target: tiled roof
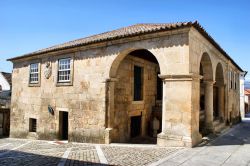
[[7, 76], [134, 30], [247, 91]]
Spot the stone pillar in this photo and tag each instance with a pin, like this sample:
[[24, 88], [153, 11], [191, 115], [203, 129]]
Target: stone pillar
[[110, 108], [164, 99], [221, 101], [209, 106], [178, 117]]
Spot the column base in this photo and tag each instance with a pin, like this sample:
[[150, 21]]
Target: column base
[[164, 139], [209, 128], [108, 135]]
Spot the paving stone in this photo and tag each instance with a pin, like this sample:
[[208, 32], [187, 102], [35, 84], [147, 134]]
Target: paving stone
[[47, 153], [117, 155]]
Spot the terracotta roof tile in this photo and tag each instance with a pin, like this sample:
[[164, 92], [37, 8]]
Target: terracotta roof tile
[[133, 30], [247, 91]]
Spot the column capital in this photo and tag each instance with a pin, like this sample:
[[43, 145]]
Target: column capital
[[180, 77], [208, 82]]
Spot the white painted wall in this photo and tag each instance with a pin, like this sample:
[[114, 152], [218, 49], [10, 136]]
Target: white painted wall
[[4, 83], [242, 94]]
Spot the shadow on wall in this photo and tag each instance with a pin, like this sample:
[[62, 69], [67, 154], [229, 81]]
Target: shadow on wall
[[30, 159]]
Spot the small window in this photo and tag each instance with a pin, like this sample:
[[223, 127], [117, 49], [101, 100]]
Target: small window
[[34, 73], [231, 79], [236, 81], [138, 83], [32, 125], [64, 70]]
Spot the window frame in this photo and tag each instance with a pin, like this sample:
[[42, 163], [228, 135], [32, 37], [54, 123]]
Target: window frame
[[70, 69], [141, 85], [33, 125], [35, 83], [230, 79]]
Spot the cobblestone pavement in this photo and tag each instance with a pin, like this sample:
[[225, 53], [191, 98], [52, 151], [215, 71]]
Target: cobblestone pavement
[[117, 155], [24, 152]]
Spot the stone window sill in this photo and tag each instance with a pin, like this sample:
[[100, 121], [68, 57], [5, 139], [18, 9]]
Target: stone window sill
[[138, 102], [34, 84], [64, 83]]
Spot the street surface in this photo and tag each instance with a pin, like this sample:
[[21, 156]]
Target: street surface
[[231, 148]]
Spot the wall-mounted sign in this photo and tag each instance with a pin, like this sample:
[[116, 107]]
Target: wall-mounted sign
[[51, 110]]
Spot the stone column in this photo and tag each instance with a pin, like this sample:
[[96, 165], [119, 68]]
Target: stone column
[[221, 101], [209, 105], [110, 108], [164, 99], [178, 112]]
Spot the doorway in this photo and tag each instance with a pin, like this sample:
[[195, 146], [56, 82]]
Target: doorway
[[63, 125], [135, 126]]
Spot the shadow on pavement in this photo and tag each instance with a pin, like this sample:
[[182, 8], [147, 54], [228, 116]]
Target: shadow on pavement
[[238, 135], [16, 158]]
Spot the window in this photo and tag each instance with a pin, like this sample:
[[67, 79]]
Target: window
[[236, 81], [32, 125], [64, 70], [1, 88], [34, 73], [138, 83], [231, 79], [159, 88]]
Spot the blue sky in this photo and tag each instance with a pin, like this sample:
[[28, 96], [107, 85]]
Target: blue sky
[[29, 25]]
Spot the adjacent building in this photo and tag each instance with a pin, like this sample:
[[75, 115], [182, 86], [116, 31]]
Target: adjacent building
[[115, 86], [242, 94], [5, 96]]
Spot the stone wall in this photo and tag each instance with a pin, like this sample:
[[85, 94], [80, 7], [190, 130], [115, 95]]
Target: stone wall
[[84, 100], [125, 107]]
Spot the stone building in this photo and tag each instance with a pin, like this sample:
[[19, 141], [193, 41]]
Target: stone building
[[5, 95], [109, 87]]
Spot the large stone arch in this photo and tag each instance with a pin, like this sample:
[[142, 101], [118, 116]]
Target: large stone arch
[[115, 82], [207, 67], [206, 94], [219, 93], [222, 68], [122, 54]]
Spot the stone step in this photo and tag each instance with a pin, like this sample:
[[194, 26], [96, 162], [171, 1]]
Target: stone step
[[218, 126], [216, 122]]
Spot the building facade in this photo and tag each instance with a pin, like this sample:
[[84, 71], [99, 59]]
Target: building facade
[[117, 85], [242, 94], [5, 96]]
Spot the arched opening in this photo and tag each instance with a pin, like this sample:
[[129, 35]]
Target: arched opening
[[219, 96], [206, 72], [137, 92]]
